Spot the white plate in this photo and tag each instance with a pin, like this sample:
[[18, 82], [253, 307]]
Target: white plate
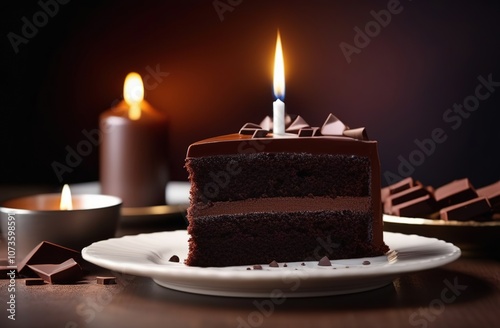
[[148, 255]]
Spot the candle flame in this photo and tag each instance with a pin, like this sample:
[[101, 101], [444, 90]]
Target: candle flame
[[133, 93], [279, 70], [66, 201]]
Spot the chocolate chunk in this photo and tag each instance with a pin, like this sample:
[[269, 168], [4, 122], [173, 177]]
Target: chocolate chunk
[[274, 264], [358, 133], [285, 265], [366, 262], [404, 196], [333, 126], [418, 207], [66, 272], [467, 210], [249, 269], [47, 253], [34, 281], [324, 261], [174, 258], [455, 192], [105, 280], [492, 192], [257, 267], [303, 264]]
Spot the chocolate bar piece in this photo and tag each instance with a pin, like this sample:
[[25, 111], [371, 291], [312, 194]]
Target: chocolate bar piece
[[404, 184], [418, 207], [465, 211], [47, 253], [492, 192], [455, 192], [404, 196], [63, 273]]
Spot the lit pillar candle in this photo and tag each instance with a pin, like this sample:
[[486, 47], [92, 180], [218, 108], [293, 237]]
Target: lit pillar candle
[[133, 156], [279, 90]]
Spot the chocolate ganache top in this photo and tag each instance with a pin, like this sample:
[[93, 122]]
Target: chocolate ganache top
[[299, 137]]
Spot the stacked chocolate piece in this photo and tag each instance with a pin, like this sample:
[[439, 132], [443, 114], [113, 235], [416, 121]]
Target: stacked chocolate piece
[[457, 200]]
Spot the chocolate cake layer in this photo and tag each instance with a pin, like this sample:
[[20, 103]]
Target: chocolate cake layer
[[255, 238], [283, 205], [218, 178]]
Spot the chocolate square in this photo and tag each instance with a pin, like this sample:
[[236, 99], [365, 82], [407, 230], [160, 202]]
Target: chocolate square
[[466, 210]]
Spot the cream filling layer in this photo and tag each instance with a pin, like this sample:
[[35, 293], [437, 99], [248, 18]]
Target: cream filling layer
[[285, 204]]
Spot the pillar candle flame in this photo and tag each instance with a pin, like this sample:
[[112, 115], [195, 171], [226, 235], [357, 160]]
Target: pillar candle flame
[[133, 93]]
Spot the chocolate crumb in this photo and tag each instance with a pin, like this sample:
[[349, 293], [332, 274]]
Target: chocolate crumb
[[302, 264], [34, 281], [174, 258], [325, 261], [257, 267], [366, 263], [274, 264], [249, 269], [347, 267], [105, 280], [285, 265]]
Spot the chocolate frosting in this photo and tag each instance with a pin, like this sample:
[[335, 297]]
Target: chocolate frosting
[[297, 125]]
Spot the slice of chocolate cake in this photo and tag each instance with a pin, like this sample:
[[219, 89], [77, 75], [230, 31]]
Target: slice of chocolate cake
[[256, 198]]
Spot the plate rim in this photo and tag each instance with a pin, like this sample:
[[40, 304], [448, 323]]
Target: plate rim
[[438, 223]]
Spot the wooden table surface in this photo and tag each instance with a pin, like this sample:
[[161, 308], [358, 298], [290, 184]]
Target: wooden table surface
[[465, 293]]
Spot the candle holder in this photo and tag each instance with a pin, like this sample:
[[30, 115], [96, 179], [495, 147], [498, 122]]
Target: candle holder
[[33, 219]]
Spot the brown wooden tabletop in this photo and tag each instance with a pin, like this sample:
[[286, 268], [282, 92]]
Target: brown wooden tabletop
[[464, 293]]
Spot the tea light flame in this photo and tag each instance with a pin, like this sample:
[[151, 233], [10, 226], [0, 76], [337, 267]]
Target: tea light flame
[[133, 93], [66, 201]]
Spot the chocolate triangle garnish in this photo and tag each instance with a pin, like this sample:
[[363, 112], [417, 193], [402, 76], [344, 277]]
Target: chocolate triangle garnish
[[333, 126], [358, 133], [297, 124], [267, 123]]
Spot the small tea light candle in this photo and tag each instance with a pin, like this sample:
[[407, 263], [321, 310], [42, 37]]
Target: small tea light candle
[[71, 221]]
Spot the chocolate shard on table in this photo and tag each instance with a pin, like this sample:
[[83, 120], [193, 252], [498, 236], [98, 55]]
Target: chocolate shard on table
[[465, 211], [455, 192], [101, 280], [34, 281], [492, 192], [47, 253], [66, 272]]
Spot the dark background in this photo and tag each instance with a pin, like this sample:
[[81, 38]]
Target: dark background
[[220, 76]]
